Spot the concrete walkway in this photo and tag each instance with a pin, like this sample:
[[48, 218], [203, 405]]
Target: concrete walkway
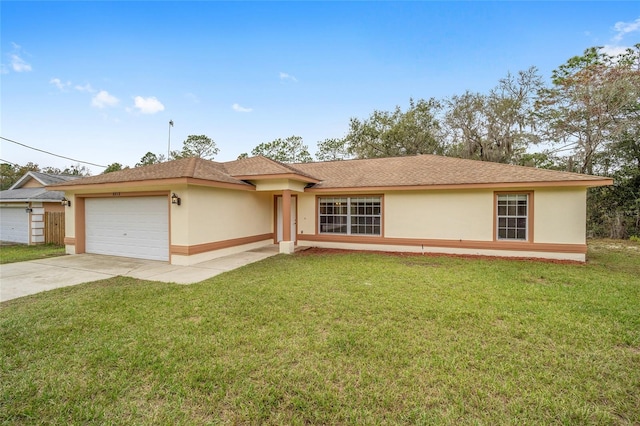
[[34, 276]]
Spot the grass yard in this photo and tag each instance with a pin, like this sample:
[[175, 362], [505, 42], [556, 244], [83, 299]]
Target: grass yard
[[335, 339], [11, 253]]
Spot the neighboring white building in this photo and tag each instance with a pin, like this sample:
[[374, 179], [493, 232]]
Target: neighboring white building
[[23, 205]]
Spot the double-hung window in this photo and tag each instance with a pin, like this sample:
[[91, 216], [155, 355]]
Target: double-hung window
[[513, 217], [350, 215]]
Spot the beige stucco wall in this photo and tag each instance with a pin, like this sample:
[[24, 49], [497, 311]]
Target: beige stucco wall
[[279, 185], [467, 215], [307, 213], [215, 214], [446, 215], [560, 215], [31, 183], [70, 216]]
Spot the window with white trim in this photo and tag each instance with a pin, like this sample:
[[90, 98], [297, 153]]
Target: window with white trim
[[350, 215], [513, 217]]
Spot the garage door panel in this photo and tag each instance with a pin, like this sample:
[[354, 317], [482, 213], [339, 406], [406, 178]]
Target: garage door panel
[[132, 227], [14, 225]]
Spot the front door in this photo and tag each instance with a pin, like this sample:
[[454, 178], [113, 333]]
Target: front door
[[279, 220]]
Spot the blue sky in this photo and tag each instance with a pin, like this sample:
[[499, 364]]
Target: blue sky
[[99, 81]]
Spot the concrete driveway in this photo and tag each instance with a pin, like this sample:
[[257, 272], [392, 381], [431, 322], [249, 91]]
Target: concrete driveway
[[24, 278]]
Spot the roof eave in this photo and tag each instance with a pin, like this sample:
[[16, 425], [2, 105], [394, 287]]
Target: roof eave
[[494, 185], [30, 200], [292, 176], [155, 183]]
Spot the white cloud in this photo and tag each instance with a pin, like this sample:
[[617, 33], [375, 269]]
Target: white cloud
[[62, 86], [18, 64], [149, 105], [285, 76], [624, 28], [237, 107], [86, 88], [104, 99], [613, 50]]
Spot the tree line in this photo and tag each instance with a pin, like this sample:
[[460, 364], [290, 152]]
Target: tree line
[[586, 120]]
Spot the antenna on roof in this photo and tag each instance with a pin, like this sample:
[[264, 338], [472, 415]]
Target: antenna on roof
[[169, 146]]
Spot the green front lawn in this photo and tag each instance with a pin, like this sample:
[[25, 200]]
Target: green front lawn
[[21, 252], [335, 339]]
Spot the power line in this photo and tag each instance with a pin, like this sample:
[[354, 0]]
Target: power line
[[9, 162], [51, 153]]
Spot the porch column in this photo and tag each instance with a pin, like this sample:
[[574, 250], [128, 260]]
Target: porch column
[[287, 246]]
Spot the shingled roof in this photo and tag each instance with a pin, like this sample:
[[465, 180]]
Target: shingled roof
[[414, 171], [261, 166], [196, 168], [433, 170], [43, 178], [16, 193]]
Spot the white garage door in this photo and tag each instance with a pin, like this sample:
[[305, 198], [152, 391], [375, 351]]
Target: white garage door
[[14, 225], [129, 226]]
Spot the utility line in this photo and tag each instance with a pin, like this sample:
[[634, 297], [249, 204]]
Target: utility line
[[51, 153], [9, 162]]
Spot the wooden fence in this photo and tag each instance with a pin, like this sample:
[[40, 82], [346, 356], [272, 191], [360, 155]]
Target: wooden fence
[[54, 228]]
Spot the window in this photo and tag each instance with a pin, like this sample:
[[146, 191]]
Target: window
[[513, 217], [350, 215]]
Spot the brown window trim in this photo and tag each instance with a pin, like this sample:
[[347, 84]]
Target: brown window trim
[[530, 210], [382, 214]]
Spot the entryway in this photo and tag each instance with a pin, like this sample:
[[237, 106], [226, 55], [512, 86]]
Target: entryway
[[280, 218]]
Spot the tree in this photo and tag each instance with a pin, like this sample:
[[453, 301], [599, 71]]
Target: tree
[[77, 170], [497, 126], [150, 158], [289, 150], [614, 211], [332, 149], [114, 167], [592, 116], [397, 133], [591, 105], [243, 155], [10, 173], [200, 146]]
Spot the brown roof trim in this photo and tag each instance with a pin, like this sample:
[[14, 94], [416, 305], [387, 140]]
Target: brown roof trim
[[292, 176], [157, 182], [216, 184], [496, 185]]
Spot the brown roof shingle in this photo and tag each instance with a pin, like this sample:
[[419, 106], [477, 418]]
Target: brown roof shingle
[[430, 170], [261, 166], [414, 171], [196, 168]]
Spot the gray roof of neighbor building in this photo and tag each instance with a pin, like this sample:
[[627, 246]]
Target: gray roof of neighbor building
[[18, 194], [30, 194], [44, 179]]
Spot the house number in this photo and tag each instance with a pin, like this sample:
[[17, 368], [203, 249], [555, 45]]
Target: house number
[[116, 194]]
